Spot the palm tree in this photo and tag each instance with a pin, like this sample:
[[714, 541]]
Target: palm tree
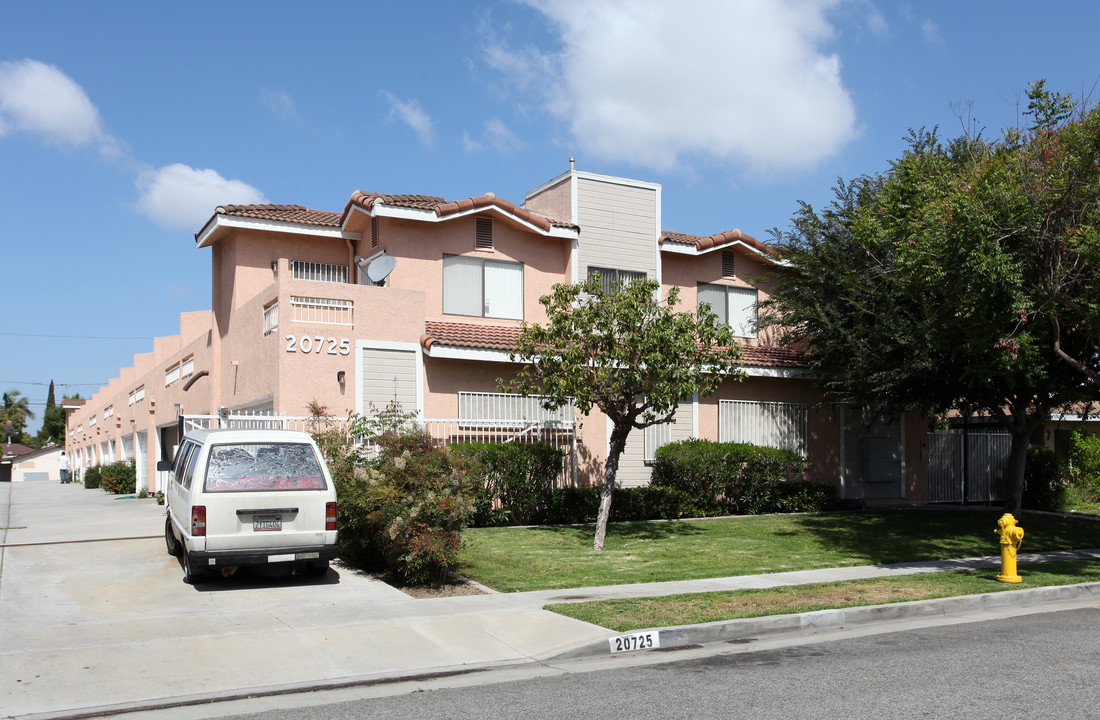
[[15, 412]]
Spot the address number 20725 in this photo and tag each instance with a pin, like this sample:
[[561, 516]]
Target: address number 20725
[[316, 344]]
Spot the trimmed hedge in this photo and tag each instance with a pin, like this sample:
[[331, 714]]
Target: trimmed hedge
[[519, 481], [92, 478], [735, 478]]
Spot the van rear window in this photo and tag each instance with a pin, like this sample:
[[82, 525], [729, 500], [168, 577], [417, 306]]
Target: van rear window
[[263, 466]]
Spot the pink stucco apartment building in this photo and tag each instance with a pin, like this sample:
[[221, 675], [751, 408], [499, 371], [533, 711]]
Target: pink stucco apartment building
[[296, 319]]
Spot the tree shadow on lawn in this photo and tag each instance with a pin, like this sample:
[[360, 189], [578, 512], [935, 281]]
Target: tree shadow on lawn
[[908, 535], [584, 534]]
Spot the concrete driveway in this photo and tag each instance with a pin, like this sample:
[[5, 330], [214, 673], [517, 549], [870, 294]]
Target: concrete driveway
[[94, 613]]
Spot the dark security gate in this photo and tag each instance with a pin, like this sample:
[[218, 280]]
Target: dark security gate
[[967, 467]]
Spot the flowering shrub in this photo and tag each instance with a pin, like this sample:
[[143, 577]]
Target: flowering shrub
[[119, 477], [408, 504]]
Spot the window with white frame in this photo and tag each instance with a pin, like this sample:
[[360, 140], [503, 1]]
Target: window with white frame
[[734, 306], [171, 375], [93, 421], [187, 367], [769, 424], [108, 411], [139, 394], [482, 287], [611, 278], [271, 318]]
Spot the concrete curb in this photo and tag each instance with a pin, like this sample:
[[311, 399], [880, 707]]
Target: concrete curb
[[742, 630]]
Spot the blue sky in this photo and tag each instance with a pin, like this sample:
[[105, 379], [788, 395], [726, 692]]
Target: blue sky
[[123, 124]]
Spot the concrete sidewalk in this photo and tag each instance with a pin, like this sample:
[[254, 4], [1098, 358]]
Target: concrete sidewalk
[[94, 615]]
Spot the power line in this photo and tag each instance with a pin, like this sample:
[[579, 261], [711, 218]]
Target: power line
[[78, 337], [56, 384]]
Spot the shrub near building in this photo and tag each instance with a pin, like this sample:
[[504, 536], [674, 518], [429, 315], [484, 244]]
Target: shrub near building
[[738, 478], [407, 505]]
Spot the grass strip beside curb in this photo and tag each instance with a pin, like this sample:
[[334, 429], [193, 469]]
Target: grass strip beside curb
[[625, 615]]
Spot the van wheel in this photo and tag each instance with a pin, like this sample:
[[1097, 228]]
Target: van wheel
[[170, 540], [191, 574], [319, 567]]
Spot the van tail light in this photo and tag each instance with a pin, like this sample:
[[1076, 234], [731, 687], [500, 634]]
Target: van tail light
[[198, 521], [330, 516]]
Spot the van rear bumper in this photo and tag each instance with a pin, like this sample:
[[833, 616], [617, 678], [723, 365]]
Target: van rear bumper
[[237, 558]]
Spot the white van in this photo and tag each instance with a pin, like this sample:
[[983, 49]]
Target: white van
[[249, 497]]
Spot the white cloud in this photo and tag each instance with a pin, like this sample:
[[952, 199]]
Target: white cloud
[[179, 196], [279, 102], [501, 137], [653, 82], [931, 33], [40, 99], [409, 112], [876, 23], [469, 145]]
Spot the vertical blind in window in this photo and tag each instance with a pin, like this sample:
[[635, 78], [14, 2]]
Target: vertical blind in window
[[769, 424], [462, 286], [742, 311], [734, 306], [484, 288], [715, 296]]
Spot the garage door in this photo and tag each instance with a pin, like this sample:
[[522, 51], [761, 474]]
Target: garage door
[[388, 375]]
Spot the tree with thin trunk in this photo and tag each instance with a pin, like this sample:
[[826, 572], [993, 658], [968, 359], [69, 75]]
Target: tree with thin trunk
[[15, 412], [626, 352]]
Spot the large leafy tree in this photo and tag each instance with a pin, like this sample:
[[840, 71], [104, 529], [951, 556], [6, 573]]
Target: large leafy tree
[[963, 278], [627, 352]]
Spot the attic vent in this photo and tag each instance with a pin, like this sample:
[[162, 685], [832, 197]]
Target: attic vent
[[483, 234], [373, 232], [727, 264]]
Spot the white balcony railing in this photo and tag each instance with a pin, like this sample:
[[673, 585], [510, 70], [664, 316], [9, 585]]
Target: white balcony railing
[[322, 311]]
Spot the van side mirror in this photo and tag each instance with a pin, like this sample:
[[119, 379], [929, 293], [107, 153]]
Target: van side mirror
[[164, 465]]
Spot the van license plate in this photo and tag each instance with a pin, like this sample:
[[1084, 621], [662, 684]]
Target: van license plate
[[267, 523]]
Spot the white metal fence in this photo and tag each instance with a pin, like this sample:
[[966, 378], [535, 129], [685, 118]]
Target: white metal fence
[[969, 469], [556, 433]]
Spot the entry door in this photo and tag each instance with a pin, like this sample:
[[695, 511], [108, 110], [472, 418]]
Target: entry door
[[874, 460]]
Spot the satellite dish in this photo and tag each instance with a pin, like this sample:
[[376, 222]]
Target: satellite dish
[[381, 267]]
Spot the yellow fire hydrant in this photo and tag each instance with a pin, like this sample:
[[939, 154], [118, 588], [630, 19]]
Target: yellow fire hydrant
[[1011, 537]]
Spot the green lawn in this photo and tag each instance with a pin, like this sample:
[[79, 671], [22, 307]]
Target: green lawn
[[642, 613], [540, 558]]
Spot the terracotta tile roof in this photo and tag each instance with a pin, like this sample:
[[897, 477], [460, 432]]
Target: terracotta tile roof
[[443, 207], [493, 337], [773, 357], [282, 213], [712, 241], [417, 202], [484, 337]]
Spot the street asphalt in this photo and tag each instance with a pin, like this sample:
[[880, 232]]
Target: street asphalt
[[95, 618]]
